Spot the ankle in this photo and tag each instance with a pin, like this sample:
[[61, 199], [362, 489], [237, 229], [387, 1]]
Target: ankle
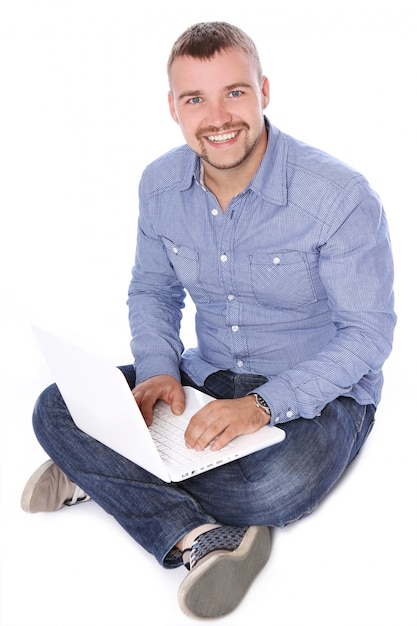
[[187, 541]]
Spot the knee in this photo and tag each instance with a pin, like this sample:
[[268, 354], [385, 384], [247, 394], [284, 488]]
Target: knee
[[45, 408], [282, 489]]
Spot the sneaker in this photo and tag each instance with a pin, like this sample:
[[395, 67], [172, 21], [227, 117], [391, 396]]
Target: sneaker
[[49, 489], [223, 563]]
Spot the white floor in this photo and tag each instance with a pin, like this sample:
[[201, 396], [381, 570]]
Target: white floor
[[82, 118], [352, 561]]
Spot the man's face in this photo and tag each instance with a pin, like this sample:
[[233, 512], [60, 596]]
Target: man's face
[[218, 104]]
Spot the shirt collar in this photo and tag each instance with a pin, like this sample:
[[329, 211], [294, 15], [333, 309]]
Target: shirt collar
[[269, 182]]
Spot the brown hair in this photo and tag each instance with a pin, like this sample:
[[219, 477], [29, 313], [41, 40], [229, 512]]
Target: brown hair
[[204, 39]]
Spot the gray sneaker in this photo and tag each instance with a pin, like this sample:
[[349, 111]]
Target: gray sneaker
[[223, 563], [49, 489]]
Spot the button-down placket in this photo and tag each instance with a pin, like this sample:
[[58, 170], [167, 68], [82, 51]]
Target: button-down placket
[[233, 312]]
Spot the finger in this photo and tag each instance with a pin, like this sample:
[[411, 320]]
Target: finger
[[217, 436], [223, 439], [165, 388], [197, 425], [146, 408], [177, 402], [145, 403], [204, 432]]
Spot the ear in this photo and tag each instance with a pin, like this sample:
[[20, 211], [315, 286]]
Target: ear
[[265, 92], [172, 107]]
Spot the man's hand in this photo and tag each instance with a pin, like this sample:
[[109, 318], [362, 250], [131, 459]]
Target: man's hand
[[162, 387], [223, 420]]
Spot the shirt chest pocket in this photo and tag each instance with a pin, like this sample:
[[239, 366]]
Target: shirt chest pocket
[[281, 280], [186, 265]]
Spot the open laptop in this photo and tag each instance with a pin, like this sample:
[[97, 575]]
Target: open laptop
[[102, 405]]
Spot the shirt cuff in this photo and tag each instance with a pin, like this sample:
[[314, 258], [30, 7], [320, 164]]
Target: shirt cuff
[[156, 366], [281, 401]]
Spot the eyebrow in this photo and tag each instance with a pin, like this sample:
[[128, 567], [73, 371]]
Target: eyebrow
[[236, 85], [198, 92], [189, 94]]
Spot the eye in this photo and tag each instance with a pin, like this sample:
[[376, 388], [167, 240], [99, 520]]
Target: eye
[[195, 100], [235, 93]]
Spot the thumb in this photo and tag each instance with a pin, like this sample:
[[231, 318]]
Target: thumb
[[178, 402], [178, 407]]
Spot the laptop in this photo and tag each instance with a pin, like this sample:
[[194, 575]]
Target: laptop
[[102, 405]]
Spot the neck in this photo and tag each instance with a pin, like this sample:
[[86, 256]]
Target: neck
[[227, 183], [224, 185]]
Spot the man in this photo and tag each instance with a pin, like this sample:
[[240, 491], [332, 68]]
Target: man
[[285, 252]]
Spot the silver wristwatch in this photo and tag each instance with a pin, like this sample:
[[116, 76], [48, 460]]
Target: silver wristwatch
[[261, 404]]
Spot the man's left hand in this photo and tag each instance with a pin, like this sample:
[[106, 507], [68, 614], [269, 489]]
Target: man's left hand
[[220, 421]]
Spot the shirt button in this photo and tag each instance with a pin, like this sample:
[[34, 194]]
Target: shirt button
[[175, 250], [214, 212], [239, 363], [223, 258], [289, 414], [276, 260], [235, 328], [230, 297]]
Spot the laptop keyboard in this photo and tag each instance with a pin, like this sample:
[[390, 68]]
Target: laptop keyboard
[[169, 439]]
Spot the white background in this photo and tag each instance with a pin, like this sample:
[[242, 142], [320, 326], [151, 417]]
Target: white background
[[83, 110]]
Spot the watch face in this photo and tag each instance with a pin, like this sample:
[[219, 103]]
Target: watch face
[[261, 402]]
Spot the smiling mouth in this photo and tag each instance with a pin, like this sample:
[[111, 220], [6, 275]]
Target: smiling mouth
[[223, 137]]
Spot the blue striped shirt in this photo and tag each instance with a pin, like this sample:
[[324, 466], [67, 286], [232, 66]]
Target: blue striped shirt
[[293, 281]]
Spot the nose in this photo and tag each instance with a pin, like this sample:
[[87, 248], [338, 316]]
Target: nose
[[217, 114]]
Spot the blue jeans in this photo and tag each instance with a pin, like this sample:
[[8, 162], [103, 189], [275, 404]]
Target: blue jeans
[[272, 487]]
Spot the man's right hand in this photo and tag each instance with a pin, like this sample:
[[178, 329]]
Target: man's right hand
[[163, 387]]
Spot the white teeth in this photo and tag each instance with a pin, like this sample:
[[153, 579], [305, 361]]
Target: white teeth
[[224, 137]]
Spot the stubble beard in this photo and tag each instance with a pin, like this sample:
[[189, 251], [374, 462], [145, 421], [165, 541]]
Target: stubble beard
[[247, 148]]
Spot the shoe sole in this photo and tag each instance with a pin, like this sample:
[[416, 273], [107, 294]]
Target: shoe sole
[[218, 583], [31, 484]]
